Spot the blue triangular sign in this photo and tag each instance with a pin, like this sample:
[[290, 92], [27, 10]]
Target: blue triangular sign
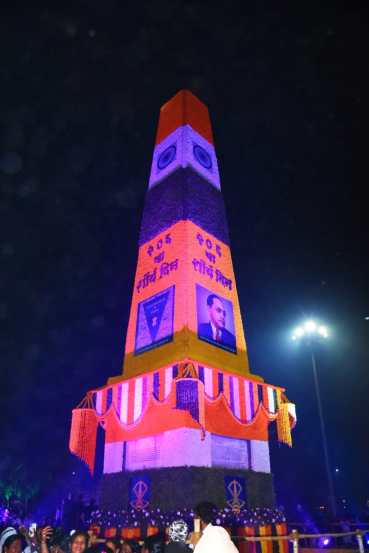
[[154, 309]]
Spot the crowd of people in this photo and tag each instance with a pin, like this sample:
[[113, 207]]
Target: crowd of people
[[206, 538]]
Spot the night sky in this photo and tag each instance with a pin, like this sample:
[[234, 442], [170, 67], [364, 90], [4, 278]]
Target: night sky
[[287, 89]]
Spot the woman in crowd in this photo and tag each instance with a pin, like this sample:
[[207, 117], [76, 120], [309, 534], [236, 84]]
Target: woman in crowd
[[10, 541], [78, 542]]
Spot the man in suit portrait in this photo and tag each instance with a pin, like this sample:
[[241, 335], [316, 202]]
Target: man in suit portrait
[[215, 330]]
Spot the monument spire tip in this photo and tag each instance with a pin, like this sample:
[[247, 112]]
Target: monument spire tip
[[184, 108]]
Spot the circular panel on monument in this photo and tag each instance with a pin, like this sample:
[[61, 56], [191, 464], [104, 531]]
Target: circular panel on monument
[[166, 157], [202, 156]]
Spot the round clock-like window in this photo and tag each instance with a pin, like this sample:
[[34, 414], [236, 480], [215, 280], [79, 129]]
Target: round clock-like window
[[202, 156], [166, 157]]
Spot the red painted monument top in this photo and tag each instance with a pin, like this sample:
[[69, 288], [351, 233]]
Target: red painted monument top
[[184, 109]]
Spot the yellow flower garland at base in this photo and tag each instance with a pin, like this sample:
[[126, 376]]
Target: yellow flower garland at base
[[283, 425]]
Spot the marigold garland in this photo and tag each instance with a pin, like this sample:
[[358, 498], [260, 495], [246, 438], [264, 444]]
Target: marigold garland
[[82, 441], [283, 425]]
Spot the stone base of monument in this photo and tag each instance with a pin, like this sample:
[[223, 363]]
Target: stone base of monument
[[183, 487]]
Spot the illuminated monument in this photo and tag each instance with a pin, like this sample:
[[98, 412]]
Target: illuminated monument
[[186, 409]]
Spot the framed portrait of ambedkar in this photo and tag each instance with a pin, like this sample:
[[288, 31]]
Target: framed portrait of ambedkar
[[215, 321], [155, 321]]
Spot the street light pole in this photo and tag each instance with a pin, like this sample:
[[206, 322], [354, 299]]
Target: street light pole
[[309, 332], [332, 498]]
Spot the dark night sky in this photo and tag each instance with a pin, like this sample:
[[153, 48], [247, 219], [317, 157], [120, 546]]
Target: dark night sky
[[287, 89]]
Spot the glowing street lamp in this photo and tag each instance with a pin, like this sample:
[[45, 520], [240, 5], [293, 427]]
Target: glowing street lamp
[[310, 329], [310, 332]]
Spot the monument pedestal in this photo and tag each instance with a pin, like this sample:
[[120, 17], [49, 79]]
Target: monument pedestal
[[184, 487]]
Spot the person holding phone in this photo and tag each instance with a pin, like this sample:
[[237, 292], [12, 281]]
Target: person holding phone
[[78, 542]]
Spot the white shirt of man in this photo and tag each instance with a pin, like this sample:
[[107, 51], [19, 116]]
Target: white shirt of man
[[217, 333], [215, 539]]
